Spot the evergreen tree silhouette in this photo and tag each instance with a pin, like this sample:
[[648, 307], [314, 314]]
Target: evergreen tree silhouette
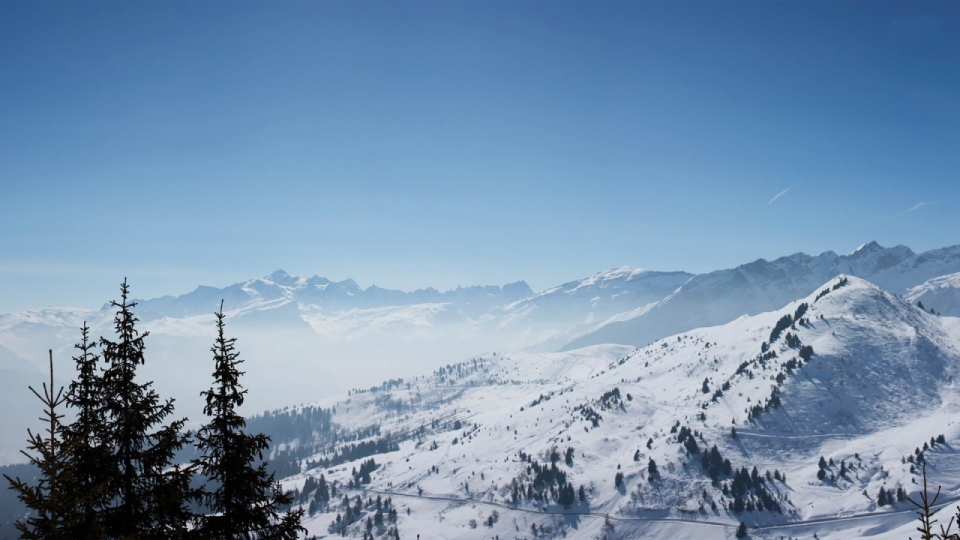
[[85, 439], [148, 494], [248, 502], [52, 500]]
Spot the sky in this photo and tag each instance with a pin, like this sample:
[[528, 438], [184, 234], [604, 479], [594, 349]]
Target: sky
[[415, 144]]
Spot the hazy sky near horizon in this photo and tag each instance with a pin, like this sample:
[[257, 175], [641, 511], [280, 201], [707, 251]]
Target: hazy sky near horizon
[[415, 144]]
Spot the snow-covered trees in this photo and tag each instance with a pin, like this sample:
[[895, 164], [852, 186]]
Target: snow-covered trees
[[778, 328], [715, 464], [652, 469]]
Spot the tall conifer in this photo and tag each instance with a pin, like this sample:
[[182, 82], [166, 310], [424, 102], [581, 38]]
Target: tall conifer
[[148, 493], [248, 502], [52, 501], [85, 437]]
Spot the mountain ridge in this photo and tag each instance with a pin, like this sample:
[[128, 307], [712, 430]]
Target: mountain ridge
[[879, 379], [723, 295]]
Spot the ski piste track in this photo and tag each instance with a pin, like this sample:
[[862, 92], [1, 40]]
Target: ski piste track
[[676, 521]]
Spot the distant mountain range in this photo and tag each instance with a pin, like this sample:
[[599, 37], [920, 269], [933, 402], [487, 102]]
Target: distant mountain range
[[318, 292], [624, 305], [722, 296], [335, 334]]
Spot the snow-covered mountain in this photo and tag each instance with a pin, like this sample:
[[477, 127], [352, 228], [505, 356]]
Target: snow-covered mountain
[[335, 335], [555, 316], [734, 417], [624, 305], [722, 296], [342, 317], [941, 294], [320, 293]]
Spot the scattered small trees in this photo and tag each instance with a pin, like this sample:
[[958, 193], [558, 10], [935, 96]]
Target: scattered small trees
[[778, 328]]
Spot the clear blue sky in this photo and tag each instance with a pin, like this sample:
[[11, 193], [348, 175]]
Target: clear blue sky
[[413, 144]]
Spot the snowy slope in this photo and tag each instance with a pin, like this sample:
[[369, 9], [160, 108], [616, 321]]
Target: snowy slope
[[941, 294], [559, 314], [881, 382], [722, 296], [333, 334]]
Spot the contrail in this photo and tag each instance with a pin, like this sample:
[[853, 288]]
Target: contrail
[[915, 207], [781, 194]]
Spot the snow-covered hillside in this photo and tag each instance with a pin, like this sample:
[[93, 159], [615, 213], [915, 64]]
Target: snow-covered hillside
[[559, 314], [334, 335], [499, 446], [941, 294], [722, 296]]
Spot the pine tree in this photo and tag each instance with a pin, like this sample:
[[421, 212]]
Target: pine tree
[[248, 501], [322, 495], [85, 437], [52, 500], [148, 493], [925, 511]]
